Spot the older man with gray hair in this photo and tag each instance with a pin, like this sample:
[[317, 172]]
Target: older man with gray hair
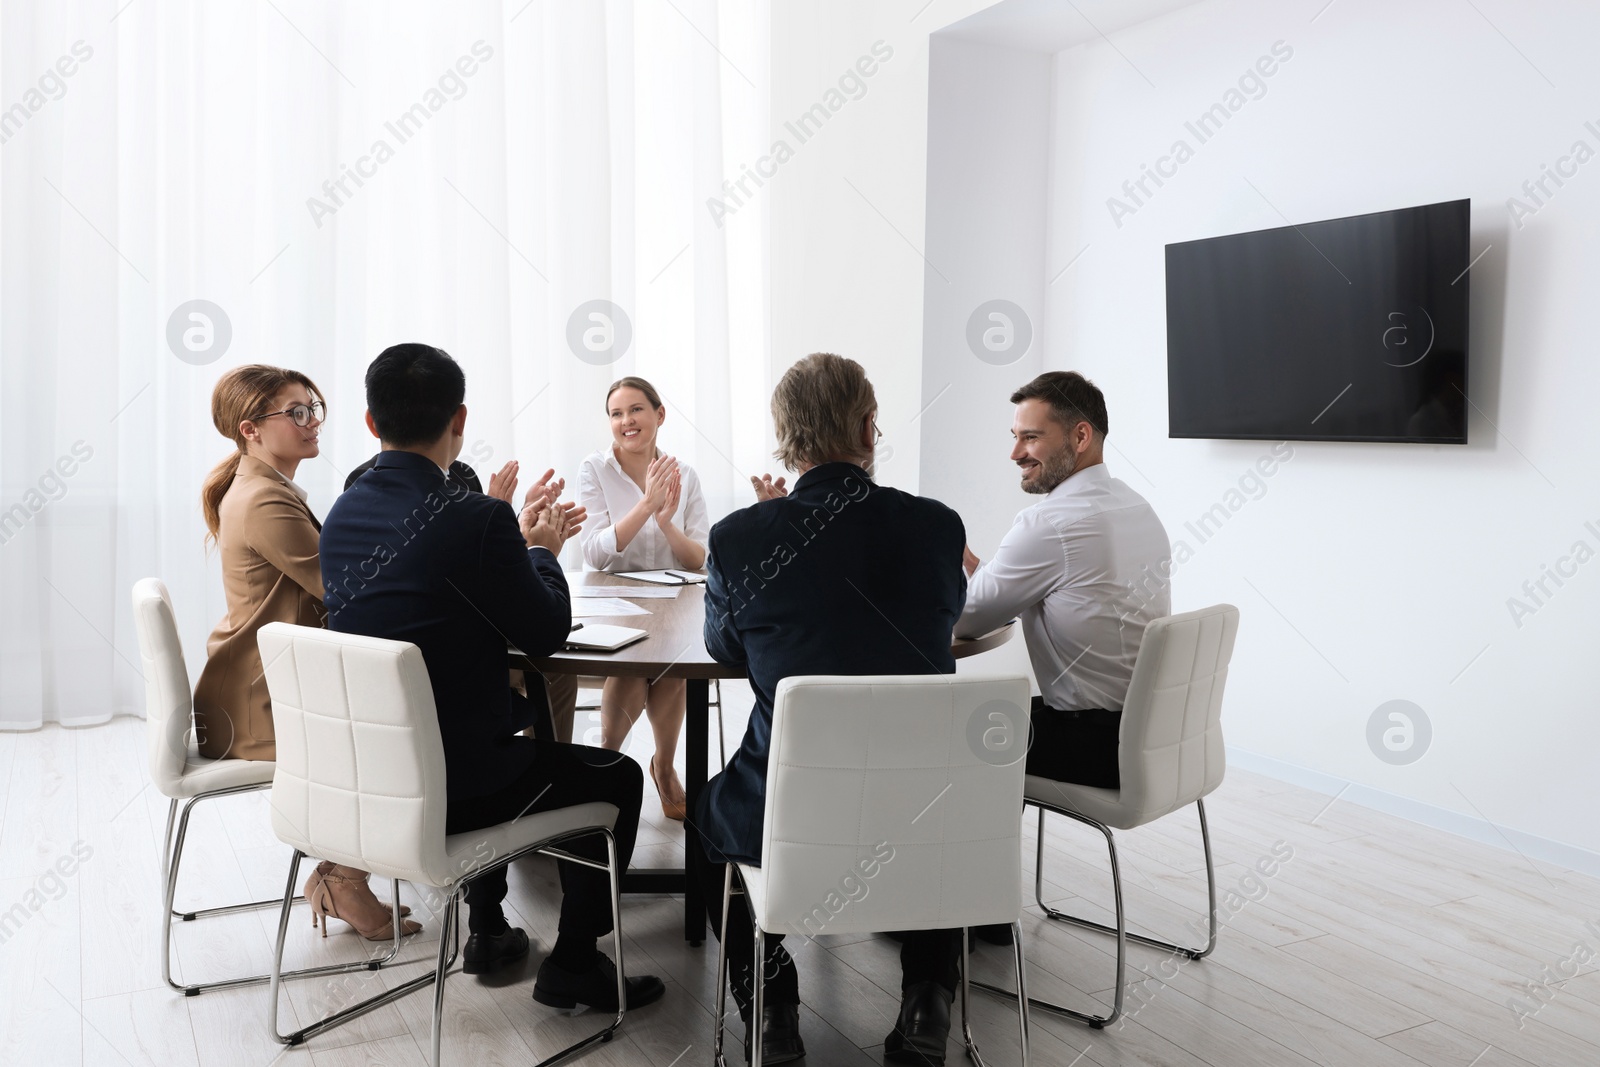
[[838, 576]]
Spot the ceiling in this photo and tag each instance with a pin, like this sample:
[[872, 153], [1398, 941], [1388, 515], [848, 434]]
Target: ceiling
[[1055, 25]]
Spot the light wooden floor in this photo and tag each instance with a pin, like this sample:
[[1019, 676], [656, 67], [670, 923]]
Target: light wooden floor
[[1376, 943]]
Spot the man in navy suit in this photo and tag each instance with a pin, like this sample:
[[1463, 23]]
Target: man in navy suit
[[551, 719], [410, 554], [839, 576]]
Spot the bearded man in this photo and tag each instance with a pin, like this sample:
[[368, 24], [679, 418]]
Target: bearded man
[[1068, 569]]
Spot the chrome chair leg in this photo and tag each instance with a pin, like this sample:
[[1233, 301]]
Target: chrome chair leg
[[1023, 1000], [615, 873], [450, 935], [451, 919], [966, 1000], [1120, 931], [174, 859], [276, 976], [722, 970], [1021, 996], [172, 854], [1153, 942], [752, 1036], [166, 862], [1096, 1021]]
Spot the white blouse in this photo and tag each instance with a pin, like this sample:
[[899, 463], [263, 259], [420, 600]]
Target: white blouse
[[608, 494]]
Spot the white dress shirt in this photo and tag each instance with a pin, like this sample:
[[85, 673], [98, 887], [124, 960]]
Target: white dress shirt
[[609, 494], [1076, 569]]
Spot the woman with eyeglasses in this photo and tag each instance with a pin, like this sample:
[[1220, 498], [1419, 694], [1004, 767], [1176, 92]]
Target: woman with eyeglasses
[[267, 538]]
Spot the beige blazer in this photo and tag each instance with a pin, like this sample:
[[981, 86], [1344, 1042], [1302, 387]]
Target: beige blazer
[[268, 541]]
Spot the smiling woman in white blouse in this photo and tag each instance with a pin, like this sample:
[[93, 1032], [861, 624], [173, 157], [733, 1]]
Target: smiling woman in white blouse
[[646, 512]]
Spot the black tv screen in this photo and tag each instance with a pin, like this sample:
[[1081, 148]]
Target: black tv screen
[[1353, 329]]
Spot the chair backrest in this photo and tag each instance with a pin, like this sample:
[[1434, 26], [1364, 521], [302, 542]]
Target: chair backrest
[[890, 806], [1171, 751], [360, 773], [168, 701]]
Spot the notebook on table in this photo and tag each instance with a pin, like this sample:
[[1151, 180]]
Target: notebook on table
[[665, 577], [598, 637]]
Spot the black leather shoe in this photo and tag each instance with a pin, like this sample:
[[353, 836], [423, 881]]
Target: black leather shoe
[[490, 952], [595, 988], [999, 934], [780, 1034], [920, 1034]]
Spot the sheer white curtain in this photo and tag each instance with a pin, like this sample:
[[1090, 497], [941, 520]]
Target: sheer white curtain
[[336, 179]]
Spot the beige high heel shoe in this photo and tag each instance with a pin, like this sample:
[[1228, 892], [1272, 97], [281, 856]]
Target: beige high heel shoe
[[337, 892], [674, 808]]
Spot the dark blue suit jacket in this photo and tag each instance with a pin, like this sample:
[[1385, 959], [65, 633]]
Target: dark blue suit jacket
[[839, 577], [408, 556]]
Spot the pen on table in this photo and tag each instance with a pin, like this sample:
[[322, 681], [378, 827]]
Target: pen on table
[[576, 626], [680, 577]]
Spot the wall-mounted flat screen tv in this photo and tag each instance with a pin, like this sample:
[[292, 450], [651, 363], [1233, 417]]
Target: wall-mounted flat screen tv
[[1354, 329]]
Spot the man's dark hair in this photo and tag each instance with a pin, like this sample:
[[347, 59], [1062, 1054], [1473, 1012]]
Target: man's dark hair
[[413, 391], [1072, 398]]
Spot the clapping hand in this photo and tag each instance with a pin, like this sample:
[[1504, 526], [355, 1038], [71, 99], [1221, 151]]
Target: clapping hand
[[766, 488], [552, 526], [674, 492], [543, 491], [544, 522], [658, 482], [503, 485]]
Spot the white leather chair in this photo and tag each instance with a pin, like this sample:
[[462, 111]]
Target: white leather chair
[[186, 778], [361, 781], [864, 767], [1170, 755]]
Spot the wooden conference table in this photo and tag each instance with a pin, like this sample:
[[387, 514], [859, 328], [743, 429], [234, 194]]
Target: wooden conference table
[[676, 649]]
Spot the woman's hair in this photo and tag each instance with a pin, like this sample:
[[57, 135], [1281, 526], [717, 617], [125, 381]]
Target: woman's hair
[[818, 409], [631, 382], [242, 393]]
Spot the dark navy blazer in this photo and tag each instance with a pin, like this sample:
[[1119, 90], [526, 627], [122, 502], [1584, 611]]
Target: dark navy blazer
[[459, 471], [839, 577], [408, 556]]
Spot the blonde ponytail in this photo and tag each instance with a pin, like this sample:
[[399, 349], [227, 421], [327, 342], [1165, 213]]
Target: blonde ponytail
[[211, 494]]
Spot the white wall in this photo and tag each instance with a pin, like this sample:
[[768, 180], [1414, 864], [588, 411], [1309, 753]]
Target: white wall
[[988, 145], [1365, 573], [988, 194], [1368, 573], [847, 209]]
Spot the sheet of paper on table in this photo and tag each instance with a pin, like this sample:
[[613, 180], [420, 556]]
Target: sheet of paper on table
[[588, 607], [633, 592]]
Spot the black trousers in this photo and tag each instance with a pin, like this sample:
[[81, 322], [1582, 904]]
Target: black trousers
[[557, 776], [1075, 746], [925, 955], [551, 719]]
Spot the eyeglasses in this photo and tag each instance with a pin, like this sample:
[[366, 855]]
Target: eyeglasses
[[302, 414], [877, 431]]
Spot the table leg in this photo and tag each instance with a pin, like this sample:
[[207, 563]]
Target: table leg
[[698, 699]]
